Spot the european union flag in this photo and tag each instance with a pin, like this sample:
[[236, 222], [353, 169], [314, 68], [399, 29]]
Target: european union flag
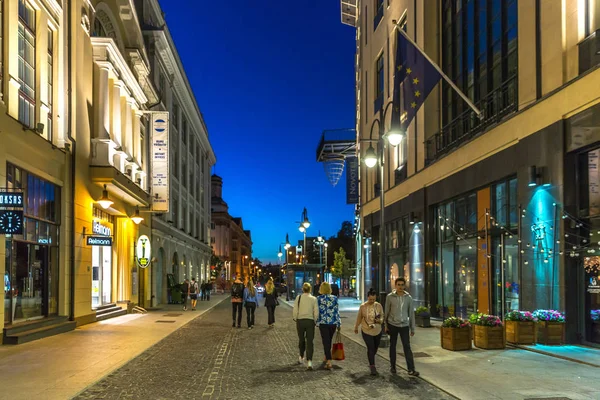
[[415, 76]]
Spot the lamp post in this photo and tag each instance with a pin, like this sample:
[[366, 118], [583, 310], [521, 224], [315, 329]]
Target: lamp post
[[320, 242], [326, 246], [304, 224], [394, 137]]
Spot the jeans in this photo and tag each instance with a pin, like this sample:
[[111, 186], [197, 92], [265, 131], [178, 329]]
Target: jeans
[[327, 332], [250, 308], [372, 343], [306, 336], [184, 296], [237, 307], [271, 312], [405, 338]]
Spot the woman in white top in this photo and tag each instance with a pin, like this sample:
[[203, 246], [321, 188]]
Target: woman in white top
[[305, 313]]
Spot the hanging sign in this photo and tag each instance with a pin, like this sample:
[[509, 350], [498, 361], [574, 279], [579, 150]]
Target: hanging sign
[[11, 199], [99, 241], [160, 162], [143, 251], [352, 180], [594, 285], [11, 222]]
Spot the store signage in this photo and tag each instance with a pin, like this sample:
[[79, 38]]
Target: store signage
[[12, 199], [352, 180], [11, 222], [99, 241], [143, 251], [100, 229], [160, 162], [594, 285]]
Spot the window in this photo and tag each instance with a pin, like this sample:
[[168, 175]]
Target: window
[[504, 203], [161, 86], [212, 225], [184, 135], [175, 210], [26, 64], [479, 53], [1, 47], [175, 116], [380, 81], [99, 30], [184, 171], [175, 155], [378, 14], [49, 126]]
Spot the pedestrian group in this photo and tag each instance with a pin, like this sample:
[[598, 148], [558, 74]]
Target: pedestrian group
[[322, 311]]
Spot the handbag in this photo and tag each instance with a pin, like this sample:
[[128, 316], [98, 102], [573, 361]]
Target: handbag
[[338, 348]]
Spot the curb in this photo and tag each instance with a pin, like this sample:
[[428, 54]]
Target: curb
[[547, 353]]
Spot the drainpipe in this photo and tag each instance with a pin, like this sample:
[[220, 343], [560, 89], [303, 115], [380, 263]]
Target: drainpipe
[[73, 159]]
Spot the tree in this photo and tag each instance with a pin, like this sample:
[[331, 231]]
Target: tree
[[216, 265], [341, 265]]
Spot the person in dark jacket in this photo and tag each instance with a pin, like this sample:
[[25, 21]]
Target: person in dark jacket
[[185, 293], [208, 289], [250, 302], [335, 290], [237, 298], [271, 301]]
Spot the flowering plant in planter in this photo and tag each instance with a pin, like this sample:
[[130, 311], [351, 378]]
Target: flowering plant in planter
[[485, 320], [595, 314], [523, 316], [455, 322], [549, 315], [422, 312]]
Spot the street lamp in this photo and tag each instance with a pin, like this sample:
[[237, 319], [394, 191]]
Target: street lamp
[[320, 242], [394, 137]]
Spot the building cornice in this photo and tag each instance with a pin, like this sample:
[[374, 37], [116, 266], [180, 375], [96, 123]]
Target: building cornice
[[107, 51]]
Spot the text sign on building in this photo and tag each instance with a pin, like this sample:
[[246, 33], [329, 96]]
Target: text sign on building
[[143, 251], [160, 162], [99, 241], [100, 229], [11, 199], [352, 180]]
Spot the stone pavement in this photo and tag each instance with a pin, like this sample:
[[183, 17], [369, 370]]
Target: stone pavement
[[58, 367], [495, 374], [209, 359]]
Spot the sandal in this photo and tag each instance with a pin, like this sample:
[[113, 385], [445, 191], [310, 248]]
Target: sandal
[[328, 365]]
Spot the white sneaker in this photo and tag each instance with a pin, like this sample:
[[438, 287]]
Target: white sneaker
[[300, 360], [309, 366]]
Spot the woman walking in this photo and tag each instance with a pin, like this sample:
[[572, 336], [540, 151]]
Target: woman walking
[[329, 319], [251, 302], [370, 319], [305, 313], [271, 301]]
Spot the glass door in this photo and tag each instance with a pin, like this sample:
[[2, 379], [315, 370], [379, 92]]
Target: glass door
[[9, 292], [101, 275], [29, 264]]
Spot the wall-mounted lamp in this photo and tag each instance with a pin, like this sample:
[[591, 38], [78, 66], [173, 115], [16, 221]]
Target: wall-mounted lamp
[[414, 218], [535, 176], [105, 201], [137, 218]]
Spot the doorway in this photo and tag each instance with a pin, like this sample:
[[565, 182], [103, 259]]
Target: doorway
[[101, 275], [26, 282]]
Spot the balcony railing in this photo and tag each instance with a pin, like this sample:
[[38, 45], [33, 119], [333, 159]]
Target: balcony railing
[[495, 106]]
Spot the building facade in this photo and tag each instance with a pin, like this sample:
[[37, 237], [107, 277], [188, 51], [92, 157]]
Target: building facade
[[230, 242], [180, 237], [494, 213], [33, 160], [79, 83]]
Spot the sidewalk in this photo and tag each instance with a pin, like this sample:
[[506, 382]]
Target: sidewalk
[[513, 373], [59, 367]]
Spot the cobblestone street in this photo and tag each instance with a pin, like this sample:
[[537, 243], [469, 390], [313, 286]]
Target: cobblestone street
[[207, 358]]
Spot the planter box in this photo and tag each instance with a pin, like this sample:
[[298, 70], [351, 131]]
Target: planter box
[[423, 322], [520, 332], [455, 339], [550, 332], [489, 337]]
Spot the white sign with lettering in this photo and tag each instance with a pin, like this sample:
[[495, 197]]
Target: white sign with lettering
[[100, 229], [160, 162]]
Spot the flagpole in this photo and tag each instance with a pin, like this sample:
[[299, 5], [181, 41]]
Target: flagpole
[[456, 89]]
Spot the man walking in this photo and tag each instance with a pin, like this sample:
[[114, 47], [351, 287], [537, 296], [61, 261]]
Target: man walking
[[185, 292], [400, 320]]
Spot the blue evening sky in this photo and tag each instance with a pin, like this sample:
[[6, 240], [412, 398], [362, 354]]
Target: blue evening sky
[[269, 77]]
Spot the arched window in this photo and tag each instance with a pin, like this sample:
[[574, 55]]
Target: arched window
[[99, 30]]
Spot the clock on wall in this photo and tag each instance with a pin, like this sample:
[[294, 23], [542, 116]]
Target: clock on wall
[[11, 222]]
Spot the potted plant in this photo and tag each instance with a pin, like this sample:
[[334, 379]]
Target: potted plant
[[550, 326], [520, 327], [488, 331], [455, 334], [595, 314], [422, 317]]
